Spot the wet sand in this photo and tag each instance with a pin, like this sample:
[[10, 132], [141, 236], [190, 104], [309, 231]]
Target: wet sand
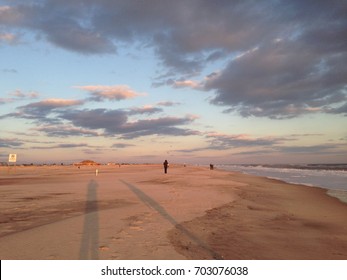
[[138, 212]]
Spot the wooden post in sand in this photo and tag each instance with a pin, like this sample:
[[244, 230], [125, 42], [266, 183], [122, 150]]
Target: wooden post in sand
[[96, 172]]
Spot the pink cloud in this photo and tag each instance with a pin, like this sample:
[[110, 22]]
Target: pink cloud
[[187, 83], [8, 38], [56, 102], [115, 92], [19, 94]]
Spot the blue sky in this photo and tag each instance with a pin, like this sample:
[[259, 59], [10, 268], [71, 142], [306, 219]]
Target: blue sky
[[188, 81]]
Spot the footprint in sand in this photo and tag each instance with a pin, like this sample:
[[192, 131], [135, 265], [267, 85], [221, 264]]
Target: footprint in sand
[[115, 257], [137, 228], [104, 248]]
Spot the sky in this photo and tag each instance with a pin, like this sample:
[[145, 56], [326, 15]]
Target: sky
[[193, 81]]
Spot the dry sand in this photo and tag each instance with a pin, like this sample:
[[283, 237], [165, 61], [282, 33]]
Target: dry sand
[[137, 212]]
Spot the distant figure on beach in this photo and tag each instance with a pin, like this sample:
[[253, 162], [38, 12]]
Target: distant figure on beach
[[166, 165], [211, 166]]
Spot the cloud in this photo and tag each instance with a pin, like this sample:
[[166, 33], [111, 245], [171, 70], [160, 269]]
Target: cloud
[[53, 103], [147, 109], [39, 110], [122, 145], [159, 126], [183, 35], [8, 38], [71, 35], [281, 59], [116, 92], [168, 103], [224, 141], [221, 142], [255, 153], [6, 100], [44, 111], [281, 81], [60, 118], [63, 24], [187, 83], [18, 95], [342, 109], [156, 127], [115, 122], [241, 140], [313, 149], [242, 144], [109, 120], [10, 71], [94, 151], [61, 146], [307, 134], [10, 143], [65, 131], [290, 150]]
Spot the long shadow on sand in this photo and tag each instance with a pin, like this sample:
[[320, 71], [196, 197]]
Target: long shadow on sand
[[90, 239], [161, 210]]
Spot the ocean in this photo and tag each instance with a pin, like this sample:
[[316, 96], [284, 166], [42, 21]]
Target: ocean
[[332, 177]]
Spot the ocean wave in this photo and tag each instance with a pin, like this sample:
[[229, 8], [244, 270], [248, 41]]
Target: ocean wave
[[333, 178]]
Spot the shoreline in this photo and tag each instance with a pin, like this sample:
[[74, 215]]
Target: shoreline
[[337, 192], [137, 212]]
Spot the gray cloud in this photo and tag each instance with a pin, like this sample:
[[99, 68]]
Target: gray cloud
[[72, 35], [58, 118], [39, 111], [65, 131], [310, 149], [221, 142], [115, 122], [255, 152], [109, 120], [183, 34], [62, 23], [337, 110], [122, 145], [152, 128], [283, 58], [168, 103], [280, 80], [61, 146], [10, 71], [314, 149], [148, 110], [94, 151], [10, 143], [158, 126], [261, 146]]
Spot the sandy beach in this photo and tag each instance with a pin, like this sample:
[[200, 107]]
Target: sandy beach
[[138, 212]]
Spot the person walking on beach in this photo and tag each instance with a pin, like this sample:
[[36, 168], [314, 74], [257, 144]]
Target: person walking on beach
[[166, 165]]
